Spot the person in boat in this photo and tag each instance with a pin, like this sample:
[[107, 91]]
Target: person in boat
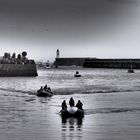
[[77, 72], [49, 89], [71, 102], [64, 105], [41, 88], [46, 87], [79, 104]]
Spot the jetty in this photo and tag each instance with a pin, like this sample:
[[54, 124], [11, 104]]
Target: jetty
[[11, 66], [98, 63]]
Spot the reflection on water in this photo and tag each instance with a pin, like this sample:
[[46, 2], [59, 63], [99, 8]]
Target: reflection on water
[[72, 128]]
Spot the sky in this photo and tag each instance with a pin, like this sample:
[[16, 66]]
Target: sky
[[78, 28]]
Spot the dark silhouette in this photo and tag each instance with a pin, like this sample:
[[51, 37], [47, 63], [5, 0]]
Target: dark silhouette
[[79, 104], [9, 56], [14, 55], [12, 59], [19, 56], [6, 55], [77, 72], [57, 53], [24, 54], [49, 89], [71, 102], [64, 106], [72, 111], [45, 87], [41, 87]]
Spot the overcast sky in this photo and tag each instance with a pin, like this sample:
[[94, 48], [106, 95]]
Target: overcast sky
[[78, 28]]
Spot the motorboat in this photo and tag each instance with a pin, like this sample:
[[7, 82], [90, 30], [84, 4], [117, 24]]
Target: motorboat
[[48, 66], [44, 93], [77, 74], [72, 112], [130, 70]]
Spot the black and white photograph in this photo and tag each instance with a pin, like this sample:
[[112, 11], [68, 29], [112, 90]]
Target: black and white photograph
[[69, 69]]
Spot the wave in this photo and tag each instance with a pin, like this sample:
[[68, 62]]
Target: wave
[[21, 91], [68, 91], [110, 91], [110, 110]]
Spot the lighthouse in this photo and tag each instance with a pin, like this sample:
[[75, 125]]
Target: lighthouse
[[57, 53]]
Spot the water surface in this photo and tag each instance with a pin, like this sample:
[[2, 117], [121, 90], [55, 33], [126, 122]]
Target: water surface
[[110, 97]]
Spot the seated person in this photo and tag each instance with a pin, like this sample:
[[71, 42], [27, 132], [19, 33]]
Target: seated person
[[45, 87], [79, 104], [64, 106], [49, 89], [41, 87], [71, 102], [77, 72]]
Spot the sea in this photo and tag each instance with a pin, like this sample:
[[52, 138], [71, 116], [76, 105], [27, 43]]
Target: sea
[[110, 97]]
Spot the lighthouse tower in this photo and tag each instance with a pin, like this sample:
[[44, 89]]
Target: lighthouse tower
[[57, 53]]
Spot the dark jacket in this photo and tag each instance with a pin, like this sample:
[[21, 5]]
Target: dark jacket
[[71, 102], [79, 105], [64, 106]]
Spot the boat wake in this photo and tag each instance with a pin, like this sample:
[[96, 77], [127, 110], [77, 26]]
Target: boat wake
[[71, 91], [110, 110], [76, 91], [20, 91]]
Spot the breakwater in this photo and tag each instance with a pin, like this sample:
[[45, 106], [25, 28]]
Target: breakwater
[[98, 63], [69, 61], [20, 65], [18, 70], [112, 63]]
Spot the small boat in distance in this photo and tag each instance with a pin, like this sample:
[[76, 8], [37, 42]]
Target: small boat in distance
[[72, 112], [48, 66], [131, 70], [77, 74], [44, 92]]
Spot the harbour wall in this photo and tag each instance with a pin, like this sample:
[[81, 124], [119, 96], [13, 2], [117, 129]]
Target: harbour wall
[[98, 63], [69, 61], [18, 70], [112, 63]]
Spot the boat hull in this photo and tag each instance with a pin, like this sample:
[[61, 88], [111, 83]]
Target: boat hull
[[77, 75], [130, 71], [44, 93], [72, 112]]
